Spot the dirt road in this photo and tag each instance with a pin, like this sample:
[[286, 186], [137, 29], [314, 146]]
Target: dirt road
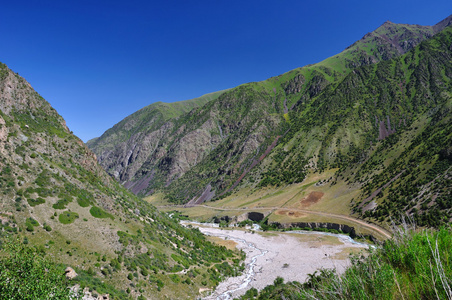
[[370, 226]]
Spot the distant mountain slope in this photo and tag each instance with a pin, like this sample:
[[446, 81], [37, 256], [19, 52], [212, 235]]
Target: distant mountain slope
[[133, 139], [244, 120], [55, 196], [386, 127], [149, 117], [338, 114]]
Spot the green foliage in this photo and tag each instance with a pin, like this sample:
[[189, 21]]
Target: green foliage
[[100, 213], [67, 217], [63, 202], [43, 179], [34, 202], [58, 171], [84, 198], [175, 278], [30, 223], [42, 120], [87, 279], [25, 274]]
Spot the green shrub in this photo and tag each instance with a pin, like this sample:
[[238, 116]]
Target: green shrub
[[175, 278], [62, 203], [30, 223], [68, 217], [25, 274], [84, 198], [34, 202], [99, 213]]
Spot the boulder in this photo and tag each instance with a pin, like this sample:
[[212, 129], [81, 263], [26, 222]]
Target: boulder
[[70, 273]]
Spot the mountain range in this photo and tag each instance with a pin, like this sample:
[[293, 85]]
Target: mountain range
[[365, 113], [371, 125]]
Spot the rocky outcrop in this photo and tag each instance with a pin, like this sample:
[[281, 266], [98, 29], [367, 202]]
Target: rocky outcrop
[[206, 195], [255, 216], [3, 130], [295, 85], [87, 295], [384, 130], [70, 273]]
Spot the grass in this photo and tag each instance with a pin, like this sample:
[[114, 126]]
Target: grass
[[229, 244], [30, 223], [62, 203], [336, 200], [83, 202], [26, 274]]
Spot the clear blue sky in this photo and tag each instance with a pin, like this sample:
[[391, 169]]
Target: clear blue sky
[[96, 62]]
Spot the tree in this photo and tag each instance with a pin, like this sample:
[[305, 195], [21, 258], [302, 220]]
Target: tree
[[25, 274]]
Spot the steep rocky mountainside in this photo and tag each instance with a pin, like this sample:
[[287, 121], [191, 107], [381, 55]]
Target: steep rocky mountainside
[[127, 145], [342, 113], [56, 197]]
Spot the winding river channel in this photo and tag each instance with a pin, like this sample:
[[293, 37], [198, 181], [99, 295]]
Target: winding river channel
[[291, 255]]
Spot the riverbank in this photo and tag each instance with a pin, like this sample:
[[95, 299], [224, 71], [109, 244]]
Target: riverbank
[[290, 255]]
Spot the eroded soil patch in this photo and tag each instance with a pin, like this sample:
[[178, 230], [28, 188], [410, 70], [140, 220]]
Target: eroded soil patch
[[312, 198], [290, 213]]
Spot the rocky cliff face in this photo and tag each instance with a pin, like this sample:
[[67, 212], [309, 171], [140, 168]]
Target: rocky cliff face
[[143, 138]]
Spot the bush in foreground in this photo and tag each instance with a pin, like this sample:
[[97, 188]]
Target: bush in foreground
[[25, 274]]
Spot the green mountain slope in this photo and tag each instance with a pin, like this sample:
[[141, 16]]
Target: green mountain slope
[[149, 118], [340, 114], [123, 148], [386, 127], [56, 197]]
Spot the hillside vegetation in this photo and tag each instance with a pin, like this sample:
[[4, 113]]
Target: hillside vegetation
[[377, 115], [58, 200]]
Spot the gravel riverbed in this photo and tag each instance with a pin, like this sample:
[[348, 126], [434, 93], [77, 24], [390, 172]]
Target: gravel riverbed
[[290, 255]]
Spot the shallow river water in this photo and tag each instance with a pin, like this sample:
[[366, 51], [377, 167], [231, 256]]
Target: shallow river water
[[291, 255]]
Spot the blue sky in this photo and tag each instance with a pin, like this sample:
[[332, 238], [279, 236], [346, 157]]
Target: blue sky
[[97, 62]]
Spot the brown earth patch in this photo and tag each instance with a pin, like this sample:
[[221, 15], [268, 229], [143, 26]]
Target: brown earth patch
[[229, 244], [312, 198], [289, 213]]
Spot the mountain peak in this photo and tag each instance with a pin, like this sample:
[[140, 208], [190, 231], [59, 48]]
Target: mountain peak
[[442, 24]]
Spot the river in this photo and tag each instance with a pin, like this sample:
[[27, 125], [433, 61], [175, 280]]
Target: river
[[291, 255]]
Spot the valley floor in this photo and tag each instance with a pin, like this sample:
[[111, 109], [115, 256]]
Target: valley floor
[[313, 200], [292, 256]]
